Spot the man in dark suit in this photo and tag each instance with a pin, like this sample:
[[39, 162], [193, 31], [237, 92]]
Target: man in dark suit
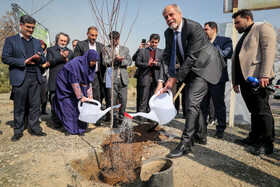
[[81, 48], [148, 61], [57, 57], [217, 91], [254, 57], [200, 64], [24, 54]]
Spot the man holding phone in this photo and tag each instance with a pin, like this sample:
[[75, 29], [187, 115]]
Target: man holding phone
[[148, 61], [57, 57]]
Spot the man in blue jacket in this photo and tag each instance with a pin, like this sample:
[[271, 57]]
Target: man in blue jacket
[[24, 54], [217, 91]]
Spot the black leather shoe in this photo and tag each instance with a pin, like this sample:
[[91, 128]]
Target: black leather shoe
[[219, 135], [38, 133], [81, 134], [180, 150], [200, 141], [16, 137], [262, 149], [245, 141], [97, 124], [67, 134]]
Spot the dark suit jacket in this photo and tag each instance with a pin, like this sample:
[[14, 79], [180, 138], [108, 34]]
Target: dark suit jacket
[[82, 47], [14, 55], [57, 62], [142, 62], [224, 45], [201, 57]]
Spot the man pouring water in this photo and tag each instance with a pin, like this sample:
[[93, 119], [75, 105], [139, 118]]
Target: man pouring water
[[200, 65]]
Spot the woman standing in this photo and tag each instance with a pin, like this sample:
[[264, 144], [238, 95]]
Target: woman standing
[[73, 83]]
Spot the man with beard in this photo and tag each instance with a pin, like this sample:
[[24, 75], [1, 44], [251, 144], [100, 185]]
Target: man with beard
[[57, 57], [254, 57], [200, 64], [81, 48]]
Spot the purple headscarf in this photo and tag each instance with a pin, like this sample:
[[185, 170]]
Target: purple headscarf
[[80, 68]]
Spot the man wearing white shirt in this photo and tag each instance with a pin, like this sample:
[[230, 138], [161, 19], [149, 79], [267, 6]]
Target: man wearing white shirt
[[200, 64], [121, 60], [81, 48]]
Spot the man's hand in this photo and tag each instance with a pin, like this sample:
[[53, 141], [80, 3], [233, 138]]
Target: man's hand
[[170, 83], [45, 65], [120, 59], [36, 57], [64, 54], [236, 88], [152, 62], [263, 82], [29, 61]]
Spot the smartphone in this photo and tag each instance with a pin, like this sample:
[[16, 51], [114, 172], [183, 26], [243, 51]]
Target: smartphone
[[143, 41]]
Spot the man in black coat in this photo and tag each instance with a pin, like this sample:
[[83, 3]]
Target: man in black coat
[[57, 57], [81, 48], [217, 91], [200, 64], [148, 62]]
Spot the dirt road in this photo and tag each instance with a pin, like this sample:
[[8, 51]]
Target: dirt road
[[45, 161]]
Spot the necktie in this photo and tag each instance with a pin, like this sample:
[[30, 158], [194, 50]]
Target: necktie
[[172, 69]]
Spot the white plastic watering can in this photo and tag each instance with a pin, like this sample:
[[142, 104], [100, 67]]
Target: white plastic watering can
[[162, 109], [90, 111]]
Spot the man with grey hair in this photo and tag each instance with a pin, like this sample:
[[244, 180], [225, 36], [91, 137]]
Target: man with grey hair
[[24, 55], [200, 64], [57, 57]]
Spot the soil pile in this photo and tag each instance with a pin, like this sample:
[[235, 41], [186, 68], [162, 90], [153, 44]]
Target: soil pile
[[120, 160]]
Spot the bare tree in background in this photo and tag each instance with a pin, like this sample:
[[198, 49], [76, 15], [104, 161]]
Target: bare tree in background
[[108, 19], [8, 27]]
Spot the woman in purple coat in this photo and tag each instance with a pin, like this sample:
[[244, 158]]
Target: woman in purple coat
[[73, 84]]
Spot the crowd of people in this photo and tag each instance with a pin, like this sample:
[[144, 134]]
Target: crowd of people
[[194, 58]]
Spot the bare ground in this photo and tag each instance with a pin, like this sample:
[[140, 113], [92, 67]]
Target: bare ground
[[46, 161]]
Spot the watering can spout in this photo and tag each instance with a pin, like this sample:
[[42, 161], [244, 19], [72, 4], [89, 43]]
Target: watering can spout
[[151, 115], [102, 113]]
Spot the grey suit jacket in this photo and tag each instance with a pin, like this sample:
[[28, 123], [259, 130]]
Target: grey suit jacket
[[257, 53], [142, 62], [82, 47], [123, 52], [201, 57], [14, 55]]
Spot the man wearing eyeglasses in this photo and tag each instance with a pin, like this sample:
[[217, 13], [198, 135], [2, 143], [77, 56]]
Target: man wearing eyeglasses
[[24, 54]]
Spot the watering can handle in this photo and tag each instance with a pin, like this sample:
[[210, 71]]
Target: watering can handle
[[170, 93], [88, 100], [94, 101], [159, 91]]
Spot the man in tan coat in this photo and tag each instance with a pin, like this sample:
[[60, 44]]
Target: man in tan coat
[[254, 57]]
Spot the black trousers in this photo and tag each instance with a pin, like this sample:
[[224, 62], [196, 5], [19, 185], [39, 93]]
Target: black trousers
[[196, 88], [262, 129], [28, 94], [217, 93], [145, 93], [96, 88]]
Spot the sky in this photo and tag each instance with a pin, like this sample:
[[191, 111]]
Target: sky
[[75, 16]]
